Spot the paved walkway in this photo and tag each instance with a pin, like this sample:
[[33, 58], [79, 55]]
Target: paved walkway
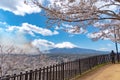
[[108, 72]]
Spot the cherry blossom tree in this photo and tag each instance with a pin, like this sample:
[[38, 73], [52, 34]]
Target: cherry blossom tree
[[7, 62], [16, 59], [82, 14], [112, 32], [13, 58]]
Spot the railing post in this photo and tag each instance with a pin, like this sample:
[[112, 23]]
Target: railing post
[[47, 77], [50, 73], [62, 66], [20, 75], [104, 58], [59, 72], [80, 66], [71, 68], [31, 71], [14, 77], [75, 67], [26, 75], [35, 74], [43, 74], [40, 74], [96, 60], [56, 72], [53, 73], [89, 63]]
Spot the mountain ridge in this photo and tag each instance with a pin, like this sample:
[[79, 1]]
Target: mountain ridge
[[75, 50]]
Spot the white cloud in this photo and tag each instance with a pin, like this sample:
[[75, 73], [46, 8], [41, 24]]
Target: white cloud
[[105, 35], [67, 25], [65, 45], [31, 29], [18, 42], [19, 38], [43, 44], [103, 49], [98, 24], [18, 7], [77, 30], [94, 35], [3, 24], [73, 29], [100, 5], [109, 45]]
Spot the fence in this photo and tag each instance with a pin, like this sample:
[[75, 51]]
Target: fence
[[63, 71]]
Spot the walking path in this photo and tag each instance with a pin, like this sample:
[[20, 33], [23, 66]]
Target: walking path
[[108, 72]]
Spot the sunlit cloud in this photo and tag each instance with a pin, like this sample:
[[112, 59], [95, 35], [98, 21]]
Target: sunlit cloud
[[45, 44], [32, 29], [16, 36], [109, 45], [65, 45], [103, 49], [73, 29], [18, 7]]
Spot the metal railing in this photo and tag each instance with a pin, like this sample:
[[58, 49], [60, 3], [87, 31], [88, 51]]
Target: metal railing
[[63, 71]]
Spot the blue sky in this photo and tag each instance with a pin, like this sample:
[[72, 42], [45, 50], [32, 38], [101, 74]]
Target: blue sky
[[22, 26]]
